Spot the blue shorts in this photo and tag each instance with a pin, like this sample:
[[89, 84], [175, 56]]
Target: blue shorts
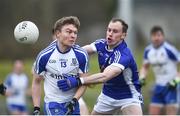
[[54, 108], [163, 95], [20, 108]]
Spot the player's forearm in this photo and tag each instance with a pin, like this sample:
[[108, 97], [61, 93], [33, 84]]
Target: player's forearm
[[108, 73], [144, 71], [89, 49], [80, 92], [95, 78], [36, 93]]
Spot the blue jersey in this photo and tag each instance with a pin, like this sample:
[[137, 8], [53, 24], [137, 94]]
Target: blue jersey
[[52, 64], [126, 84]]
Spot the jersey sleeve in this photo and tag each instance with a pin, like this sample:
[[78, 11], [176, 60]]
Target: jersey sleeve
[[40, 63], [83, 60], [97, 45], [121, 60], [145, 56], [173, 53], [8, 81]]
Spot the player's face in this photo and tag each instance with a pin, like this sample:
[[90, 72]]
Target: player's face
[[68, 35], [157, 38], [114, 34], [18, 67]]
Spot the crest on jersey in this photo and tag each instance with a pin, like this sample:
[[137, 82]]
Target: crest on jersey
[[74, 62]]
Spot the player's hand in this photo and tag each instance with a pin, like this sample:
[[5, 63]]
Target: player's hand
[[71, 106], [69, 82], [2, 89], [173, 83], [36, 111], [142, 82], [142, 79]]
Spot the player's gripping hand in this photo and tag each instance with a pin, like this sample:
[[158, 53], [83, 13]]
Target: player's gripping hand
[[71, 106], [36, 111], [142, 80], [2, 89], [69, 82], [173, 83]]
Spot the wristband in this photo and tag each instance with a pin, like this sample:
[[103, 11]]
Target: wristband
[[82, 81], [36, 108]]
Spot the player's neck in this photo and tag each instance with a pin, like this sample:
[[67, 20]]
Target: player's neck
[[62, 48], [110, 47]]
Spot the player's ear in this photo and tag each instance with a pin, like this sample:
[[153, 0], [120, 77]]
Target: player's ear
[[57, 33], [124, 35]]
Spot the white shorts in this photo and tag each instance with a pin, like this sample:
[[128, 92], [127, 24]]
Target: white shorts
[[81, 101], [108, 105]]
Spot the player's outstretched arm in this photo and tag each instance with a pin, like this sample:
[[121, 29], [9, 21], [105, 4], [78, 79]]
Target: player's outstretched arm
[[109, 73], [89, 49], [36, 93]]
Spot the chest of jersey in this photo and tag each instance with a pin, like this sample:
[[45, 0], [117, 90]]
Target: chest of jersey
[[59, 64], [158, 56], [105, 58], [21, 79]]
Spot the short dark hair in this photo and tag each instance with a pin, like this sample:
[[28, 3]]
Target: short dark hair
[[66, 20], [124, 24], [155, 29]]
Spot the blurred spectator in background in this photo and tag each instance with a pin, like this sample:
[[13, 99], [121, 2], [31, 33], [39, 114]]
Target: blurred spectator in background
[[163, 57], [15, 88]]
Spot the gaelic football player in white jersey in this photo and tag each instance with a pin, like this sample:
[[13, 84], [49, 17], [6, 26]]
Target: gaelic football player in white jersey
[[164, 58], [121, 89], [58, 61], [16, 91]]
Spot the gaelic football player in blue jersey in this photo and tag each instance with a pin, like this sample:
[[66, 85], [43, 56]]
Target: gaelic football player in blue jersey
[[121, 89], [163, 57], [61, 59]]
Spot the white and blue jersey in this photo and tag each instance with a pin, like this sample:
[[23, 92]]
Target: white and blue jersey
[[52, 64], [17, 85], [126, 84], [164, 61]]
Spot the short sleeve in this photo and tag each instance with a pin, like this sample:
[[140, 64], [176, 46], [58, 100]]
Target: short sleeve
[[121, 60], [98, 45], [8, 81], [41, 61], [173, 53], [83, 60], [145, 56]]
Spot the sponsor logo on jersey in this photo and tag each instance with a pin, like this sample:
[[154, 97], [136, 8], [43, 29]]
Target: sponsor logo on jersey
[[52, 61], [56, 76]]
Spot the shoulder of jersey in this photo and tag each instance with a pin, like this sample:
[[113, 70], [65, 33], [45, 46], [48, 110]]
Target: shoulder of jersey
[[168, 45], [51, 46], [79, 49], [150, 46], [100, 40], [48, 49]]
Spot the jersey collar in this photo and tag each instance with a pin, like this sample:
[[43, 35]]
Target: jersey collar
[[57, 47], [121, 46]]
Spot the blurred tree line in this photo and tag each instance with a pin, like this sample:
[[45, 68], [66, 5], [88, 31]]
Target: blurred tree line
[[44, 13]]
